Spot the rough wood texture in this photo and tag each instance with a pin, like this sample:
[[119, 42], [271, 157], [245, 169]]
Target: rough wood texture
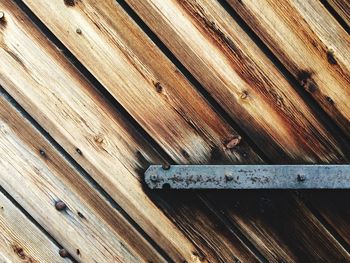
[[187, 226], [23, 241], [247, 84], [97, 230], [342, 7], [146, 84], [73, 113], [281, 239], [312, 46]]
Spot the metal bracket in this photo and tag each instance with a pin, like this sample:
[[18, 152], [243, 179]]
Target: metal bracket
[[248, 177]]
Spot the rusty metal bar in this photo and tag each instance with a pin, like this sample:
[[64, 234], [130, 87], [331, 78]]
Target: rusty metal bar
[[248, 177]]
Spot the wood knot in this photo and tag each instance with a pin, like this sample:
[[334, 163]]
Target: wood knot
[[233, 142], [2, 18], [69, 2], [306, 81], [99, 139], [158, 87], [19, 251], [330, 100], [330, 57], [244, 95]]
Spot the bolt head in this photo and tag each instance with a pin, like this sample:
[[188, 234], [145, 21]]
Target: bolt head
[[228, 178], [166, 166], [301, 178], [63, 253], [154, 177], [60, 205]]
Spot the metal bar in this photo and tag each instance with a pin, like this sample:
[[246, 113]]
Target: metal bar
[[248, 177]]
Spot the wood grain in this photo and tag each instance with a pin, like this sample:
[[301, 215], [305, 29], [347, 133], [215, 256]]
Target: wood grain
[[22, 241], [89, 224], [342, 7], [68, 107], [139, 156], [217, 51], [140, 78], [288, 234], [311, 44]]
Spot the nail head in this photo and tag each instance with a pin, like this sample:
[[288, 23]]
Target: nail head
[[60, 205], [166, 166], [63, 253]]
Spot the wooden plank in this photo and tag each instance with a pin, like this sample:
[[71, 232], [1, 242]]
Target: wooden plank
[[96, 159], [21, 240], [146, 84], [334, 210], [342, 7], [312, 46], [205, 38], [90, 228], [242, 79], [291, 234], [68, 107]]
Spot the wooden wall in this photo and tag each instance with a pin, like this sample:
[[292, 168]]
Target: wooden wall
[[93, 92]]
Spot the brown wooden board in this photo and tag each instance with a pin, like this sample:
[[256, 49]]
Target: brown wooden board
[[38, 177], [21, 240], [342, 8], [311, 44], [209, 226], [68, 107], [205, 38]]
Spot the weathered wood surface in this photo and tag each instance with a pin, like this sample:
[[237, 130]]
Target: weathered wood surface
[[146, 84], [111, 151], [22, 241], [342, 7], [90, 229], [131, 67], [280, 238], [311, 44], [242, 79]]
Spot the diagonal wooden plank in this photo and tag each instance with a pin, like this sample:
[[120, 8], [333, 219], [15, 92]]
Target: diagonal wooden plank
[[291, 234], [152, 90], [342, 7], [87, 227], [312, 46], [67, 106], [21, 240], [205, 39], [242, 79], [97, 159]]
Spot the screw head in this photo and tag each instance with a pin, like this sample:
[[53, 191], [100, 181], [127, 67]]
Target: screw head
[[42, 152], [228, 178], [166, 166], [301, 178], [153, 177], [78, 31], [2, 15], [63, 253], [60, 205]]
